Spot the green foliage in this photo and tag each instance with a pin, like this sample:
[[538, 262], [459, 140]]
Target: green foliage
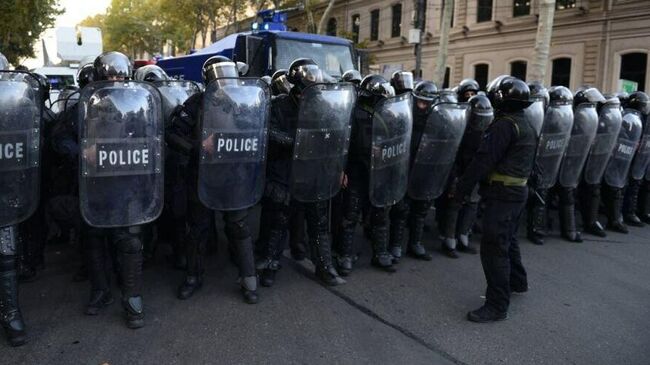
[[21, 24]]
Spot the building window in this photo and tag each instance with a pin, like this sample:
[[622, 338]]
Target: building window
[[331, 27], [356, 22], [484, 11], [396, 24], [521, 8], [442, 13], [445, 83], [565, 4], [634, 67], [561, 73], [481, 74], [374, 25], [518, 69]]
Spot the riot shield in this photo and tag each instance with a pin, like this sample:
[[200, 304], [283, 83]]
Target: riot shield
[[641, 160], [392, 123], [121, 158], [233, 143], [535, 114], [20, 152], [618, 166], [556, 131], [174, 93], [609, 124], [322, 141], [437, 149], [583, 132]]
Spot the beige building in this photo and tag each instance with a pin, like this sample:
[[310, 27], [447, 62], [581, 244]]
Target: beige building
[[594, 42]]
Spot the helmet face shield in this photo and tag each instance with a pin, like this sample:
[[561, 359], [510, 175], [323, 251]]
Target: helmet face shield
[[222, 70], [309, 74], [402, 81], [384, 89]]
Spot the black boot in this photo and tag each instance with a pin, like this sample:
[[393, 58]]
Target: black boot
[[190, 285], [10, 316], [130, 251], [448, 247], [416, 231], [133, 312], [100, 294], [537, 217], [591, 208], [249, 289], [630, 202], [643, 206], [486, 315], [316, 215], [346, 248], [568, 223], [614, 206], [381, 258]]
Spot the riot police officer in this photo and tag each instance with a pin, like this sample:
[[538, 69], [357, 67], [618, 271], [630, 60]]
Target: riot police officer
[[352, 76], [640, 102], [118, 109], [206, 123], [554, 138], [583, 133], [297, 120], [505, 159], [402, 82], [377, 169], [150, 73], [618, 166], [467, 89]]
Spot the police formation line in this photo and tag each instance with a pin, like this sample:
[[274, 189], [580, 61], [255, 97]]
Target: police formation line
[[313, 151]]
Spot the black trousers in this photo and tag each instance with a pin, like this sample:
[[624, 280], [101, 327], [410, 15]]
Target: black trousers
[[500, 253]]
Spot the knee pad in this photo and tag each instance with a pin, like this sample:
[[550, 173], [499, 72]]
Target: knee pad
[[236, 225], [128, 242]]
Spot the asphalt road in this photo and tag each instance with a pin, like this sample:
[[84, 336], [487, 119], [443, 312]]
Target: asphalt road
[[588, 303]]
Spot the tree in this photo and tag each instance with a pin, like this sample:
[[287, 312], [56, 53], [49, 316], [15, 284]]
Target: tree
[[21, 24], [542, 40], [443, 43], [326, 14]]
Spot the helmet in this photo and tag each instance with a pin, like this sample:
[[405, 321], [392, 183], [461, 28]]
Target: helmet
[[447, 96], [402, 81], [509, 94], [622, 97], [279, 83], [539, 91], [426, 91], [588, 95], [85, 75], [376, 86], [267, 79], [43, 86], [467, 85], [304, 72], [640, 101], [112, 65], [4, 64], [352, 76], [217, 67], [560, 95], [150, 73], [481, 108]]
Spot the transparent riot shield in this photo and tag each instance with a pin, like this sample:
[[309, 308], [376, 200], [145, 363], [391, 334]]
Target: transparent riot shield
[[437, 149], [121, 158], [175, 93], [618, 166], [322, 141], [535, 114], [233, 143], [641, 160], [556, 131], [20, 152], [583, 133], [392, 123], [609, 124]]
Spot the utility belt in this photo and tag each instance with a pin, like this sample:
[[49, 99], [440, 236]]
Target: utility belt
[[506, 180]]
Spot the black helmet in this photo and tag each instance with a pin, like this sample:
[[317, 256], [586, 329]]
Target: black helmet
[[376, 86], [112, 65], [560, 95], [279, 83], [482, 113], [85, 75], [622, 97], [640, 101], [352, 76], [217, 67], [509, 95], [465, 86], [267, 80], [480, 104], [4, 64], [588, 95], [539, 91], [150, 73], [447, 96], [304, 72], [402, 81], [425, 91]]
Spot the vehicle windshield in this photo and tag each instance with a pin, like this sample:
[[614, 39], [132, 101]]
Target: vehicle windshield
[[334, 59], [59, 82]]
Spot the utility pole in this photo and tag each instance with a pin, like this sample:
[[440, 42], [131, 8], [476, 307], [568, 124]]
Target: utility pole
[[542, 40], [443, 43], [419, 24]]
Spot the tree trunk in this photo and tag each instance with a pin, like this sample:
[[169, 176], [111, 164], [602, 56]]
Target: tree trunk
[[441, 57], [326, 14], [542, 40], [311, 25]]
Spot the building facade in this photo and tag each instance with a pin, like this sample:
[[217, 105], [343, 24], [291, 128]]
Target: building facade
[[595, 42]]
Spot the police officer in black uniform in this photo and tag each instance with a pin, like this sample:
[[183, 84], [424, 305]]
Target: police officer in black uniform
[[505, 161], [467, 89], [277, 199], [640, 102], [186, 126]]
